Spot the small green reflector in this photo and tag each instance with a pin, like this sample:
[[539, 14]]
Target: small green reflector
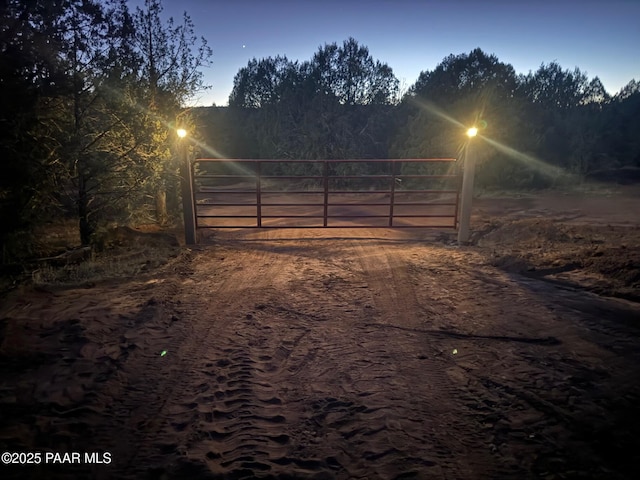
[[164, 352]]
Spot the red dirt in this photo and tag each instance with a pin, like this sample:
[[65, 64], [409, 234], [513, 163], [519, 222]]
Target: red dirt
[[341, 354]]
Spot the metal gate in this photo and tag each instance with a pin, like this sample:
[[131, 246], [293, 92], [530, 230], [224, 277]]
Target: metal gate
[[399, 193]]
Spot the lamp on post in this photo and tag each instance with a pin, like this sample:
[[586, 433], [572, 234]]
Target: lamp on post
[[467, 188], [188, 208]]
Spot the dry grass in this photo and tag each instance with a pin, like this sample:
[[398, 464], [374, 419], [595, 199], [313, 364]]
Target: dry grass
[[113, 264], [51, 256]]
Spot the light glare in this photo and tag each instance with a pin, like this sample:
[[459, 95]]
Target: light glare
[[472, 132], [181, 132]]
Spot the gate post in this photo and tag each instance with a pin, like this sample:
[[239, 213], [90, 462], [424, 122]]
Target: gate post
[[326, 193], [186, 180], [467, 188], [392, 193], [258, 194]]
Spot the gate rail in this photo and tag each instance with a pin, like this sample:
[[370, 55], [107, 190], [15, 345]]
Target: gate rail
[[251, 187]]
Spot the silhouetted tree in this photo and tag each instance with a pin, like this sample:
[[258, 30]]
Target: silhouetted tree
[[463, 90], [30, 71], [330, 107], [476, 76], [171, 57], [631, 88], [352, 76], [264, 82], [555, 88], [620, 126]]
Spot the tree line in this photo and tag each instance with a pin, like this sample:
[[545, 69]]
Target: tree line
[[540, 128], [92, 92]]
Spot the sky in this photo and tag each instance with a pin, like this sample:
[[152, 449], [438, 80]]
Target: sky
[[601, 38]]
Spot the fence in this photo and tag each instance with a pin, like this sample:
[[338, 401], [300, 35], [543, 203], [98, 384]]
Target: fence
[[397, 193]]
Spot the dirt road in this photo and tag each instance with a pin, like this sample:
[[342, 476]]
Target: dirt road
[[306, 354]]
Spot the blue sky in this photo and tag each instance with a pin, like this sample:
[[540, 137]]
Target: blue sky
[[602, 38]]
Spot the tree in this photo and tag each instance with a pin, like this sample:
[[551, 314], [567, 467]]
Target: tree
[[621, 122], [631, 88], [328, 107], [264, 82], [29, 71], [349, 74], [475, 76], [463, 90], [96, 116], [61, 46], [555, 88], [87, 107], [595, 94], [171, 57]]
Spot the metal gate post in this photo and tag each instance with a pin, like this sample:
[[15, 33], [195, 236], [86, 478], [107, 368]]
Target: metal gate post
[[188, 207], [326, 191], [467, 191], [258, 194], [392, 193]]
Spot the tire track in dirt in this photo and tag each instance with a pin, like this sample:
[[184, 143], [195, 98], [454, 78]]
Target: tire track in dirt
[[230, 416], [432, 386], [242, 425], [346, 387], [154, 383], [316, 385], [301, 386]]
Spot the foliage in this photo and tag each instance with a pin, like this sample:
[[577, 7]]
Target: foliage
[[27, 74], [464, 90], [265, 82], [351, 76], [91, 92], [337, 105], [537, 130], [170, 57]]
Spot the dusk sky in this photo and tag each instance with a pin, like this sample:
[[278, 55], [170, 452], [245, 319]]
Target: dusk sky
[[602, 38]]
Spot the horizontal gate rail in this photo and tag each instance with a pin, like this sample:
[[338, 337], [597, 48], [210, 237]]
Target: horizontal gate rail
[[244, 189], [352, 160]]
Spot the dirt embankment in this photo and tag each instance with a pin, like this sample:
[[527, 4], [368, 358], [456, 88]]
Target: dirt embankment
[[589, 241]]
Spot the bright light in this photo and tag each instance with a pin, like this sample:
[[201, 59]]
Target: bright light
[[472, 132], [181, 132]]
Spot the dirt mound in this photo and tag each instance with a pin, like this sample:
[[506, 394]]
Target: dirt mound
[[604, 259]]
